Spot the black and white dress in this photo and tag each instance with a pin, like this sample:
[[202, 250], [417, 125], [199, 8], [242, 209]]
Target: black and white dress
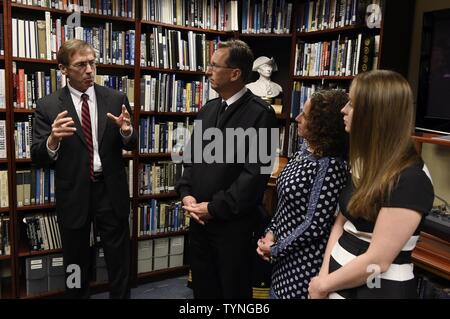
[[414, 191], [308, 190]]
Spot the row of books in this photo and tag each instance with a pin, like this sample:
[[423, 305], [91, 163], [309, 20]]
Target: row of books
[[221, 15], [176, 50], [116, 8], [317, 15], [22, 138], [35, 186], [161, 217], [28, 88], [42, 231], [342, 57], [301, 92], [158, 177], [162, 137], [164, 93], [266, 16], [41, 39], [5, 242]]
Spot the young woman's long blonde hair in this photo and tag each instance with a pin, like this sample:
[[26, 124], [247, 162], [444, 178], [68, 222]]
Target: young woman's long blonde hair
[[380, 139]]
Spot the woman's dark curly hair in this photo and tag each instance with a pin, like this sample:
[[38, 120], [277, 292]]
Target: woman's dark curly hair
[[325, 129]]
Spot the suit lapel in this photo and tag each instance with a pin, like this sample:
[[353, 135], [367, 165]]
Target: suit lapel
[[67, 105], [101, 112]]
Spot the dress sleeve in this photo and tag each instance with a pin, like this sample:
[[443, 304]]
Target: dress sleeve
[[330, 179], [414, 191]]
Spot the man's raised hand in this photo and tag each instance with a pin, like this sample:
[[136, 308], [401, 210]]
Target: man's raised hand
[[123, 120], [62, 126]]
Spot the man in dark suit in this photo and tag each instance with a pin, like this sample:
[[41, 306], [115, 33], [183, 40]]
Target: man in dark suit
[[72, 131], [223, 196]]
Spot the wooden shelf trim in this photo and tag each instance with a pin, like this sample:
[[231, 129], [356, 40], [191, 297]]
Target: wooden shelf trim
[[66, 12], [146, 113], [162, 70], [36, 207], [166, 234], [158, 196], [54, 62], [265, 35], [180, 27], [433, 254], [430, 138], [5, 257], [165, 271], [331, 78], [29, 253], [348, 28]]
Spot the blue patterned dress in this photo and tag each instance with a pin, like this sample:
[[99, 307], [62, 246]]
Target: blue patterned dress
[[308, 191]]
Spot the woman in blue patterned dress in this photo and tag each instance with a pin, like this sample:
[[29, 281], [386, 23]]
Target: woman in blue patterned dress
[[307, 190]]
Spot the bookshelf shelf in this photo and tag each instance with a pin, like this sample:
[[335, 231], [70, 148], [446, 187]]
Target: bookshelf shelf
[[31, 8], [116, 66], [341, 30], [5, 257], [164, 272], [147, 113], [158, 196], [3, 161], [179, 27], [17, 59], [4, 210], [154, 155], [35, 207], [2, 111], [28, 253], [25, 111], [23, 160], [265, 35], [149, 68], [323, 78], [2, 57], [165, 234], [37, 8]]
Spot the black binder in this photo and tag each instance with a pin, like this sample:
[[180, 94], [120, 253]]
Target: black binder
[[36, 275], [56, 279]]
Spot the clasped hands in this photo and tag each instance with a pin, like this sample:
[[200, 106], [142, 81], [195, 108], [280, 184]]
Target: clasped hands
[[63, 126], [198, 211], [264, 244]]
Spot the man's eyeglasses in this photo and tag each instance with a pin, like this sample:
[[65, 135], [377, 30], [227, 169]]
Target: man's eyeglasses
[[83, 65], [214, 66]]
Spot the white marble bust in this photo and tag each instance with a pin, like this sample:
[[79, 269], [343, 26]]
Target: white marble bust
[[264, 87]]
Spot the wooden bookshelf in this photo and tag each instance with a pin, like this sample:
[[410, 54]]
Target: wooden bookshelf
[[30, 253], [281, 46], [4, 210]]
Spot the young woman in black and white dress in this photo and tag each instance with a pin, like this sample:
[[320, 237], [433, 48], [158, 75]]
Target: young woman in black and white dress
[[369, 251]]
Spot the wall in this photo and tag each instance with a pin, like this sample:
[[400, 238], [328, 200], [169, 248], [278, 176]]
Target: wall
[[436, 157]]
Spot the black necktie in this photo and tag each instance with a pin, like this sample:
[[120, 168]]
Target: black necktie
[[223, 106]]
